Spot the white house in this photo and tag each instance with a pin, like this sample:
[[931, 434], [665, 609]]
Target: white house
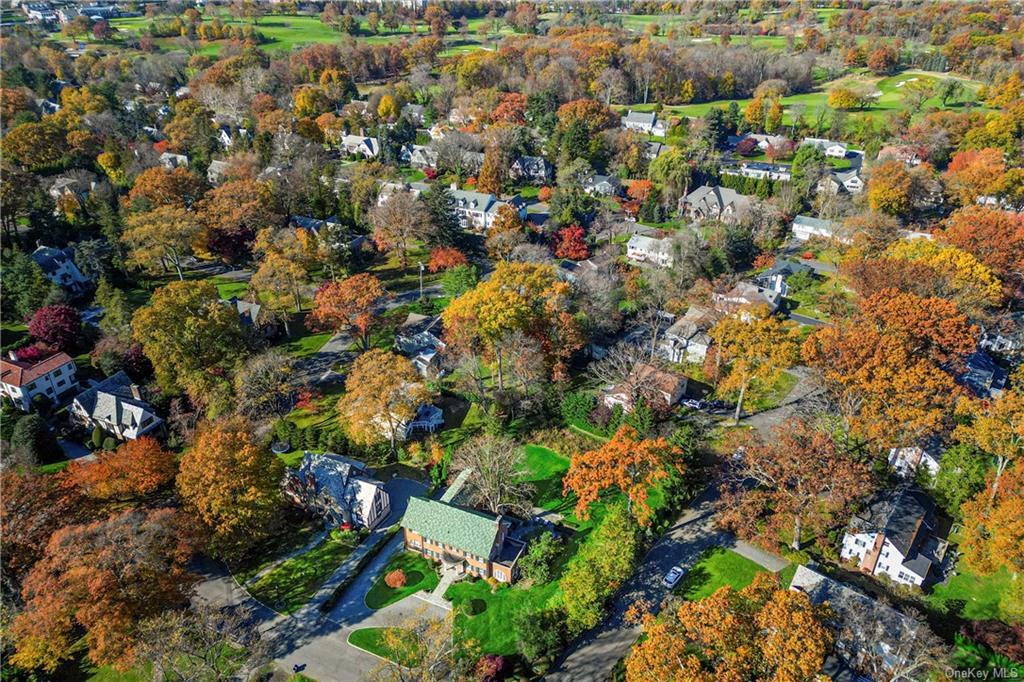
[[643, 249], [359, 145], [389, 189], [894, 536], [646, 123], [216, 172], [907, 461], [687, 340], [805, 227], [774, 278], [419, 339], [842, 181], [116, 406], [59, 267], [835, 150], [746, 295], [338, 489], [715, 203], [605, 185], [478, 210], [171, 160], [53, 377], [758, 170]]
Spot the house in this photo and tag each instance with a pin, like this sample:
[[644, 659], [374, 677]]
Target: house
[[643, 249], [171, 160], [116, 406], [416, 113], [774, 278], [649, 382], [388, 189], [908, 461], [59, 267], [866, 630], [419, 156], [838, 182], [604, 185], [746, 295], [835, 150], [477, 210], [531, 169], [905, 153], [715, 203], [687, 339], [338, 489], [646, 123], [250, 317], [805, 227], [217, 172], [463, 540], [78, 187], [654, 150], [419, 339], [52, 377], [894, 536], [358, 145], [758, 170], [982, 375]]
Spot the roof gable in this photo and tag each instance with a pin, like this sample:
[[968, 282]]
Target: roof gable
[[469, 531]]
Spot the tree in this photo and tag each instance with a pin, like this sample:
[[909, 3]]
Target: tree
[[974, 173], [25, 286], [751, 349], [889, 188], [539, 559], [993, 236], [32, 436], [59, 326], [35, 145], [963, 277], [961, 475], [159, 186], [424, 647], [843, 98], [105, 578], [350, 304], [505, 234], [398, 221], [911, 650], [445, 258], [230, 487], [629, 464], [190, 337], [136, 469], [233, 213], [458, 280], [491, 176], [440, 204], [572, 243], [761, 632], [161, 237], [993, 534], [883, 60], [264, 385], [383, 391], [997, 428], [803, 483], [498, 466]]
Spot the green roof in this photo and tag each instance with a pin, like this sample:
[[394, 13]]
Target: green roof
[[468, 531]]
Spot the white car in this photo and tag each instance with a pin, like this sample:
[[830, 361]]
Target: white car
[[673, 576]]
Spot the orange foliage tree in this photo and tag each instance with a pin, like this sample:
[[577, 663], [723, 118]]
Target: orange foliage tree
[[993, 236], [803, 483], [445, 257], [160, 186], [348, 305], [103, 578], [625, 463], [996, 427], [762, 632], [974, 173], [137, 468], [994, 526], [572, 243]]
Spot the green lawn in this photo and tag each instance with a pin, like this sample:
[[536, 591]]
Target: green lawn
[[979, 594], [370, 639], [773, 396], [303, 342], [267, 552], [420, 574], [13, 335], [546, 470], [717, 568], [289, 586], [487, 618]]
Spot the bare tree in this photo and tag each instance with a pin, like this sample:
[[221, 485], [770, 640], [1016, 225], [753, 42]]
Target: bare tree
[[498, 465], [401, 219], [623, 366], [888, 645], [264, 385], [453, 152], [423, 648]]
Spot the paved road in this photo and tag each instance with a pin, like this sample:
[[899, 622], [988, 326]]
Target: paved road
[[595, 654], [803, 319]]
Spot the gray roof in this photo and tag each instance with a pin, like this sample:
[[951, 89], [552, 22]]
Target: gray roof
[[51, 259], [716, 195], [650, 244], [982, 374], [786, 268], [248, 312], [899, 515], [816, 223], [469, 531], [112, 400], [639, 117]]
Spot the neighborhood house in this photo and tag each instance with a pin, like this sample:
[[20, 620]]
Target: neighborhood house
[[52, 377], [643, 249], [116, 406], [646, 123], [338, 489], [649, 382]]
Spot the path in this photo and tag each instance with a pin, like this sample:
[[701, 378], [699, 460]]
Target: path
[[804, 389], [597, 652]]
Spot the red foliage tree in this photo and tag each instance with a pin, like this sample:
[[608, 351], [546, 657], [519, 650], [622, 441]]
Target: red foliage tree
[[639, 190], [56, 325], [747, 147], [395, 579], [445, 257], [137, 468], [544, 194], [572, 243]]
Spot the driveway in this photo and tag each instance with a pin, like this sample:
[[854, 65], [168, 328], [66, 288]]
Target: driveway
[[806, 388], [596, 652]]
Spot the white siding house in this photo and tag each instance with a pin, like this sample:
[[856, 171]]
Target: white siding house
[[643, 249], [53, 377]]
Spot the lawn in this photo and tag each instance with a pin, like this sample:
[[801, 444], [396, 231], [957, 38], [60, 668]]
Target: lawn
[[304, 342], [289, 586], [13, 335], [773, 396], [487, 618], [290, 539], [717, 568], [420, 574], [546, 469], [975, 597], [371, 640]]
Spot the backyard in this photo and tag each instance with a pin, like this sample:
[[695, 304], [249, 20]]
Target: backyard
[[719, 567], [972, 596]]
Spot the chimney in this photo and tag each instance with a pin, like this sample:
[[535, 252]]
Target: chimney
[[136, 392], [12, 355], [454, 186]]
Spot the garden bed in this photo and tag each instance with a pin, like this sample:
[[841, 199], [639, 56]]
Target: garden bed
[[420, 573]]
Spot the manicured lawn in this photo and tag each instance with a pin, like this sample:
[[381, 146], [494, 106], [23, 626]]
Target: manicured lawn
[[52, 467], [290, 585], [420, 574], [717, 568], [290, 539], [229, 288], [13, 335], [487, 618], [786, 575], [303, 342], [546, 470], [979, 594], [371, 639]]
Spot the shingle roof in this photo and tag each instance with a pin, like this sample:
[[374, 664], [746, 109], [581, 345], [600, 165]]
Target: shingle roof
[[899, 515], [469, 531], [113, 401]]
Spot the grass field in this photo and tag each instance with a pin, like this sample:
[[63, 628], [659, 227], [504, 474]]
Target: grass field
[[420, 574], [546, 470], [976, 597], [487, 617], [371, 640], [717, 568], [289, 586]]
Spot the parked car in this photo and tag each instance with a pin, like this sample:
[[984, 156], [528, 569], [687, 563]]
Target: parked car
[[673, 576]]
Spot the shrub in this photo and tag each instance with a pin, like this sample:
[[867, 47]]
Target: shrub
[[492, 668], [109, 444], [395, 579], [31, 435], [544, 194], [97, 438], [539, 559], [576, 408]]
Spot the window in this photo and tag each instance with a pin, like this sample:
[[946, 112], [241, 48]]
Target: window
[[31, 387], [57, 372], [885, 553], [415, 543], [859, 543], [61, 382]]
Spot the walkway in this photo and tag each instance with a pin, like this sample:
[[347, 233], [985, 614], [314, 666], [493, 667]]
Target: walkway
[[597, 652], [806, 388]]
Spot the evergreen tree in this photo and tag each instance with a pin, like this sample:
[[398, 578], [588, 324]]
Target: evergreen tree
[[441, 205]]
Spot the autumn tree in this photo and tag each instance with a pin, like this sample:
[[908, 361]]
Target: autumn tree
[[505, 234], [264, 385], [136, 469], [162, 237], [498, 466], [960, 276], [400, 220], [625, 463], [383, 391], [233, 213], [424, 647], [230, 486], [803, 483], [103, 578], [996, 427], [572, 243], [287, 256], [843, 98], [160, 186], [761, 632], [350, 304], [889, 188], [974, 173], [445, 258], [493, 171], [993, 236], [191, 338], [59, 326], [751, 351]]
